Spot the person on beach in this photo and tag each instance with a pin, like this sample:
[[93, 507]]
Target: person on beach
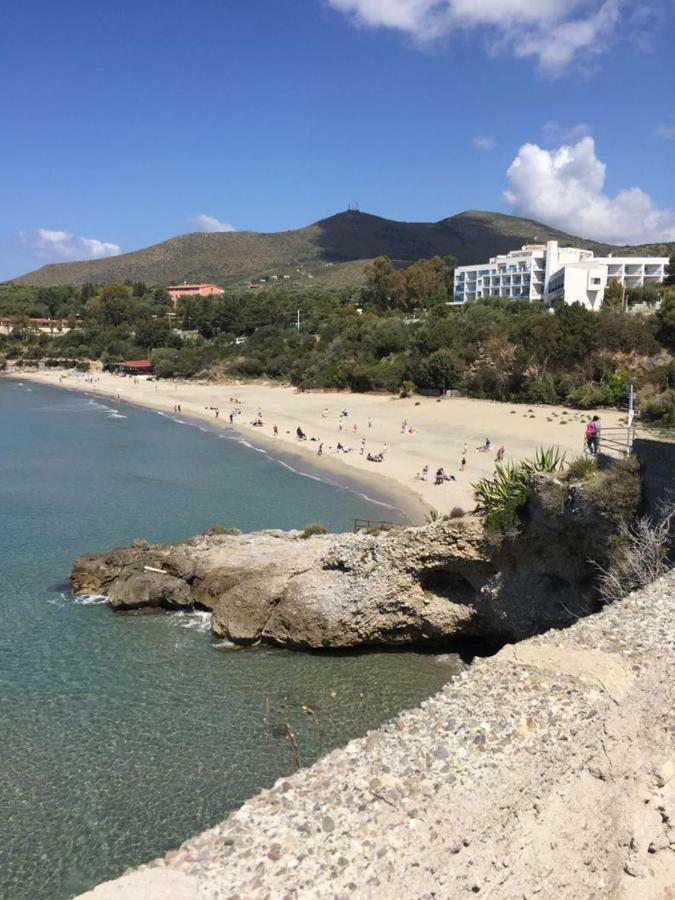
[[324, 414], [300, 434], [370, 422], [404, 426], [363, 446], [500, 454], [319, 452], [354, 427], [275, 429], [440, 476], [339, 424], [231, 417], [466, 448], [463, 464], [425, 472]]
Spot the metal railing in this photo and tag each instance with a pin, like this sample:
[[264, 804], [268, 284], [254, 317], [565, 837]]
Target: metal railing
[[360, 524], [615, 442]]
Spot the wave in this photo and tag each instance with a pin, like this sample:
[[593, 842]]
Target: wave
[[116, 415], [90, 600], [196, 619]]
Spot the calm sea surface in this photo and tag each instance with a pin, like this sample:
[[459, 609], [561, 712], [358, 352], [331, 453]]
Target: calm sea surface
[[121, 736]]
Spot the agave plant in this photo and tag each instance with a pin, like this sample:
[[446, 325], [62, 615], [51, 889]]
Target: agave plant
[[501, 497]]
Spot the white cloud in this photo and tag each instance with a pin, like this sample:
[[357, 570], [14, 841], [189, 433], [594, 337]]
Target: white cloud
[[667, 132], [62, 245], [202, 222], [552, 32], [564, 188], [484, 142]]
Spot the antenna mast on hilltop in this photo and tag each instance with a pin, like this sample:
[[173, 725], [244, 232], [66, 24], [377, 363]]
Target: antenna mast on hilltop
[[353, 207]]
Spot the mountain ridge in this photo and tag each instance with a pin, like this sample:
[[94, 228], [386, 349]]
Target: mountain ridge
[[331, 251]]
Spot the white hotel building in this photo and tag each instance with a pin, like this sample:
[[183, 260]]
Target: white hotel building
[[547, 272]]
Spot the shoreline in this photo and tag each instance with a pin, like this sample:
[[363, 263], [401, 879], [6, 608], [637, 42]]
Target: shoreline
[[439, 432], [403, 505]]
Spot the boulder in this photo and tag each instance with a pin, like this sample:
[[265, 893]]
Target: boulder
[[134, 589]]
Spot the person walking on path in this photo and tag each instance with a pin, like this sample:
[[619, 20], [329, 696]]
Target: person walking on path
[[593, 430]]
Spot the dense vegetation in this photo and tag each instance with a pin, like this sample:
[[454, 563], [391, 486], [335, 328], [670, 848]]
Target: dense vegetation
[[395, 333]]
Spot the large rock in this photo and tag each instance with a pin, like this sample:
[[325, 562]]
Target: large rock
[[415, 586], [134, 589]]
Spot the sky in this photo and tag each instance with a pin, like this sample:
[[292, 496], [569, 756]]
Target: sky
[[124, 124]]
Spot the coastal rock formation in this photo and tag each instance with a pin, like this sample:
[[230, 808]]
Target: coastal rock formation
[[407, 586]]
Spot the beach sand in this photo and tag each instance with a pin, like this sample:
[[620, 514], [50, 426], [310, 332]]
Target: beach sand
[[441, 428]]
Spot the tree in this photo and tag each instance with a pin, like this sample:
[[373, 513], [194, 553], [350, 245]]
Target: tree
[[113, 305], [670, 271], [666, 320], [439, 370], [385, 285], [613, 298]]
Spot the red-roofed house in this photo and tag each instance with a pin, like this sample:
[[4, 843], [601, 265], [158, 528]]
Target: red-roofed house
[[176, 291]]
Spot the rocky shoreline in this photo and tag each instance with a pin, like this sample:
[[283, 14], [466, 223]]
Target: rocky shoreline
[[546, 770], [420, 586]]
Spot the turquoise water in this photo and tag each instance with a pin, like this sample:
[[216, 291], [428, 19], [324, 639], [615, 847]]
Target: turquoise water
[[123, 735]]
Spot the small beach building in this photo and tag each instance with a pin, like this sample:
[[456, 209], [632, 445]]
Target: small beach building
[[132, 367], [176, 291]]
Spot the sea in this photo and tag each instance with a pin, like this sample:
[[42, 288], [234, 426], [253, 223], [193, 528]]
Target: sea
[[121, 736]]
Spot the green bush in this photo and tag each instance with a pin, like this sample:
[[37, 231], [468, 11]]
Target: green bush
[[310, 530], [581, 468]]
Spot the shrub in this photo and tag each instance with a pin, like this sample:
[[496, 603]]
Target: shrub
[[581, 468], [456, 512], [617, 493], [643, 557], [310, 530]]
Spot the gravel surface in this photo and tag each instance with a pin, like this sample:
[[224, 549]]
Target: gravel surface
[[546, 770]]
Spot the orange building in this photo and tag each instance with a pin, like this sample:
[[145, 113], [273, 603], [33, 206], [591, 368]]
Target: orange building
[[176, 291]]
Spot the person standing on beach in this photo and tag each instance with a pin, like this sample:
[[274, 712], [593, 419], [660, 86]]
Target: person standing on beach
[[320, 450], [463, 464], [370, 422], [276, 430], [466, 448], [324, 414], [363, 446], [425, 472], [340, 424]]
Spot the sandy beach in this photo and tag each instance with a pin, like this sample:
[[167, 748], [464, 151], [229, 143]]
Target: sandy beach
[[435, 435]]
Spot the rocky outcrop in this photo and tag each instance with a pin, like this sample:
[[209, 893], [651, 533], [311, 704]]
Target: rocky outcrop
[[412, 586]]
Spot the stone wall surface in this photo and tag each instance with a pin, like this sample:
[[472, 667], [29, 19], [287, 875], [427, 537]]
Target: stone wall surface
[[547, 770]]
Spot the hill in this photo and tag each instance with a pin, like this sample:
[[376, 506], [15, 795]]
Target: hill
[[332, 251]]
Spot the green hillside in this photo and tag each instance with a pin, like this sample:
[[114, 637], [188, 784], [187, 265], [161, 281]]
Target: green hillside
[[331, 251]]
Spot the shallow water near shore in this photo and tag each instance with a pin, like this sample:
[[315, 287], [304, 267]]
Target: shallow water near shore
[[124, 735]]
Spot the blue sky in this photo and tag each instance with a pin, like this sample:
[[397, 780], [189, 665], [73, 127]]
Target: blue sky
[[124, 124]]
